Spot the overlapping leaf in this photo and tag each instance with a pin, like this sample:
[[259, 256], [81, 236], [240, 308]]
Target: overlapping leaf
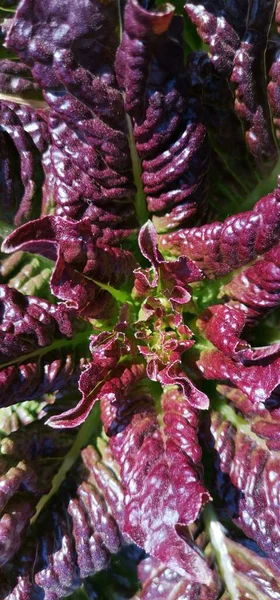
[[237, 35], [170, 136], [256, 289], [29, 458], [33, 333], [135, 117], [155, 445], [218, 248], [85, 254], [89, 155], [24, 140], [77, 534], [250, 493], [254, 372]]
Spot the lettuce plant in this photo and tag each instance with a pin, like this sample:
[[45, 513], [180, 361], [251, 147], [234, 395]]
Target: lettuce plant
[[139, 300]]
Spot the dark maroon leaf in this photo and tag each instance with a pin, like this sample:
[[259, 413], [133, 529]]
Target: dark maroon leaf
[[106, 348], [273, 89], [236, 172], [249, 494], [158, 458], [220, 26], [169, 134], [218, 248], [77, 534], [29, 459], [222, 325], [171, 276], [33, 332], [256, 289], [255, 575], [89, 171], [159, 582], [84, 254], [15, 78], [257, 377], [24, 139]]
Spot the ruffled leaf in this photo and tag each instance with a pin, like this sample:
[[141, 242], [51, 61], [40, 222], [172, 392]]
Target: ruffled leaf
[[172, 277], [237, 35], [248, 494], [76, 535], [107, 349], [90, 163], [254, 371], [218, 248], [132, 576], [85, 254], [256, 577], [160, 326], [24, 139], [250, 78], [273, 88], [169, 134], [221, 27], [156, 447], [29, 458], [34, 338], [256, 290], [15, 78]]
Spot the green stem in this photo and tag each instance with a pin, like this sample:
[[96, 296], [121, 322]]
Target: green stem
[[140, 198], [237, 421], [119, 295], [24, 101], [217, 538], [84, 435], [58, 344]]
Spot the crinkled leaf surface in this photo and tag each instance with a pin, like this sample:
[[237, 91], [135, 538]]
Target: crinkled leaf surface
[[139, 300]]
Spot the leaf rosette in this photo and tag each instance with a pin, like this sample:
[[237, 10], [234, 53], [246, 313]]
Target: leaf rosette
[[139, 300]]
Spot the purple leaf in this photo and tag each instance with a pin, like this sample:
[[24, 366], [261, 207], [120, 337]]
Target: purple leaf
[[164, 584], [257, 377], [32, 333], [172, 276], [237, 36], [85, 253], [158, 457], [273, 90], [160, 326], [222, 325], [77, 535], [90, 167], [218, 248], [15, 78], [28, 323], [220, 27], [107, 349], [250, 78], [256, 290], [29, 459], [249, 494], [256, 577], [222, 123], [250, 100], [170, 136], [24, 139]]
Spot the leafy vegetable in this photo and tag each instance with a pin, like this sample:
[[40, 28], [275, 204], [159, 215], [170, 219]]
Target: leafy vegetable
[[139, 300]]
